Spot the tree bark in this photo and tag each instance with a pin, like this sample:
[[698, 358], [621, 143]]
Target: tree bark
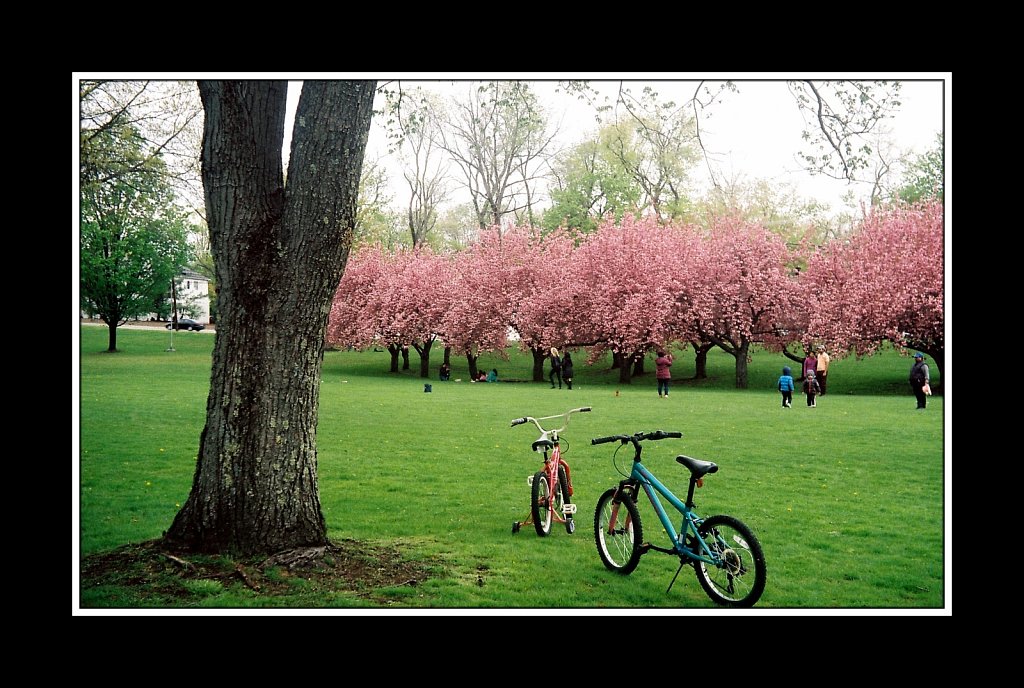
[[625, 371], [279, 253], [741, 353], [638, 365], [539, 355], [112, 338], [700, 359], [394, 349], [424, 351]]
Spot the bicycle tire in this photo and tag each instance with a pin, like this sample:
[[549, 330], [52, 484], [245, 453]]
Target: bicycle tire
[[740, 579], [539, 503], [619, 548]]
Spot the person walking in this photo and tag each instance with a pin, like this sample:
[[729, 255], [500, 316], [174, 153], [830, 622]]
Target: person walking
[[663, 363], [556, 368], [786, 386], [919, 380], [821, 373], [567, 369], [811, 389]]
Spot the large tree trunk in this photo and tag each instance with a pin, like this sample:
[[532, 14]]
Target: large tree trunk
[[539, 356], [112, 338], [424, 351], [471, 360], [279, 254], [741, 353], [700, 359], [638, 365], [625, 370], [394, 349]]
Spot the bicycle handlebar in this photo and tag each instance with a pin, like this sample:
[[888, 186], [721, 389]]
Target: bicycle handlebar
[[531, 419], [638, 437]]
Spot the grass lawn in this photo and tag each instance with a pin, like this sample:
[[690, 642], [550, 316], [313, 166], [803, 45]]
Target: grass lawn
[[846, 498]]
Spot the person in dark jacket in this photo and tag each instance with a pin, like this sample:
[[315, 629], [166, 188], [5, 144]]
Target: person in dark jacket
[[556, 368], [567, 369], [811, 389], [918, 379]]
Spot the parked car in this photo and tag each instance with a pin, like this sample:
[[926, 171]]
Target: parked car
[[187, 324]]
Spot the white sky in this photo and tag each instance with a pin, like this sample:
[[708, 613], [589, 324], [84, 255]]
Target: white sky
[[753, 134]]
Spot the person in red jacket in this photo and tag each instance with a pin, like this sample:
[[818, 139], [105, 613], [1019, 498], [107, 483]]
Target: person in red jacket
[[810, 364], [663, 362]]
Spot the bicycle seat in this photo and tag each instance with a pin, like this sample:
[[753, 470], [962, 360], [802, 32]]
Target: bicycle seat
[[696, 466], [543, 443]]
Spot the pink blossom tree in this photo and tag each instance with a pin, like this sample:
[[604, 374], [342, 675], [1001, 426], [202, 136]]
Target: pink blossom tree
[[538, 269], [478, 317], [413, 297], [885, 284], [627, 280], [740, 289], [355, 320], [393, 300]]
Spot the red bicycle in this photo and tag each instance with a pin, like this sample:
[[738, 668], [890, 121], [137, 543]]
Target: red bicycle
[[550, 487]]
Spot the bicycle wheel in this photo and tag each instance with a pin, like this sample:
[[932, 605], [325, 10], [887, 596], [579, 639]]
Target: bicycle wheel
[[539, 500], [564, 498], [738, 580], [618, 532]]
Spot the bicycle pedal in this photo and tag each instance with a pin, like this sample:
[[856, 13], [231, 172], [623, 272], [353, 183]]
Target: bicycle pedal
[[568, 509], [529, 480]]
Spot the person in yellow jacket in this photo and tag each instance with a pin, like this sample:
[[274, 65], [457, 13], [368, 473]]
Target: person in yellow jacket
[[822, 370]]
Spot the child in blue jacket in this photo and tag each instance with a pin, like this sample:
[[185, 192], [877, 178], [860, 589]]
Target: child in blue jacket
[[786, 386]]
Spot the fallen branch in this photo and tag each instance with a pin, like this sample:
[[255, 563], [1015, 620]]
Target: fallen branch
[[176, 560], [245, 579]]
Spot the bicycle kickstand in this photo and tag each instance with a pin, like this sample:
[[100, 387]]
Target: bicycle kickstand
[[682, 563]]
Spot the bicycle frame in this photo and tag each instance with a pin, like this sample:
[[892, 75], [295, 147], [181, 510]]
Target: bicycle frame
[[551, 465], [640, 475]]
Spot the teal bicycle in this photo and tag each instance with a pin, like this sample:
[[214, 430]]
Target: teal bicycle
[[723, 550]]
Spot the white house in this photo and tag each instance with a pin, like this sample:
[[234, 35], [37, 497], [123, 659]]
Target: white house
[[193, 296]]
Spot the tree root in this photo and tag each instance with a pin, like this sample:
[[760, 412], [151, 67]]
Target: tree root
[[299, 557]]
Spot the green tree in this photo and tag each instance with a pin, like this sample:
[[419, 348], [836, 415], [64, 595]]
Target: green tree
[[778, 207], [133, 235], [590, 182], [925, 175], [456, 229], [376, 221], [656, 143]]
